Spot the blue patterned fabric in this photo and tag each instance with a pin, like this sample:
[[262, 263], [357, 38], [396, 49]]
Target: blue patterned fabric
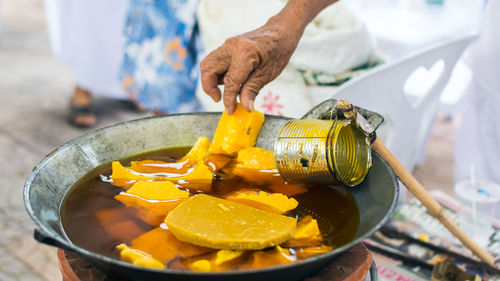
[[160, 68]]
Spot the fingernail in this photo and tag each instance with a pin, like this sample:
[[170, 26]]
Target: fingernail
[[229, 111], [250, 105], [216, 96]]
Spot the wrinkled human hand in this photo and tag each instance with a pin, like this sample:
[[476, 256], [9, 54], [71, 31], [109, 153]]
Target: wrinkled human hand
[[247, 62]]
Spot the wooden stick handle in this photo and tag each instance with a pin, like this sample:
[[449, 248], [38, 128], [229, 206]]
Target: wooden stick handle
[[430, 203]]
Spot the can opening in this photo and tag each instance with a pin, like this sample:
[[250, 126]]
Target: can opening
[[350, 155]]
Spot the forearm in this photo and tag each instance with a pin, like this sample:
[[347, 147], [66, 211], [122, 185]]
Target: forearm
[[247, 62], [298, 13]]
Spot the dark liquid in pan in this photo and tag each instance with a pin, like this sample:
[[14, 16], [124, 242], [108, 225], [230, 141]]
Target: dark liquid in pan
[[334, 207]]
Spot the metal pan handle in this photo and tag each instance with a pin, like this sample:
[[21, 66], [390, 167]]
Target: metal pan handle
[[45, 239], [373, 272]]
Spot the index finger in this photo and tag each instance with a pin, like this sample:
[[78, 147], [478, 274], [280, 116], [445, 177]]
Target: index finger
[[212, 68], [241, 67]]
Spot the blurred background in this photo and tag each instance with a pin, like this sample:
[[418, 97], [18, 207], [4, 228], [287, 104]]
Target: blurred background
[[40, 72]]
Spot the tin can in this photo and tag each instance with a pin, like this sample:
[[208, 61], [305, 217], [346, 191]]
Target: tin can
[[322, 151]]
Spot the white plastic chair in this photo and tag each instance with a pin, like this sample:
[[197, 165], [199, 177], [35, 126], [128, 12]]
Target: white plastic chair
[[407, 96]]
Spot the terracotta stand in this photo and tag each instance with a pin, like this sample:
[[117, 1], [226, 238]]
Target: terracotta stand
[[353, 265]]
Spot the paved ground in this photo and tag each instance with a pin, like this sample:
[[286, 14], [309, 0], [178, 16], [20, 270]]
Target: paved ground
[[35, 89]]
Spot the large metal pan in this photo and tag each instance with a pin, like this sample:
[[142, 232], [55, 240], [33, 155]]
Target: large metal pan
[[51, 179]]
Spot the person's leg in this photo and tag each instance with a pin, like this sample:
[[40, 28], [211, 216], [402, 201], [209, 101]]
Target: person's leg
[[82, 114]]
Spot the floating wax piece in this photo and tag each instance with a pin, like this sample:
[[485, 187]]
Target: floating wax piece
[[256, 176], [221, 260], [224, 256], [307, 227], [161, 244], [275, 202], [156, 167], [306, 235], [256, 165], [157, 190], [153, 199], [137, 257], [256, 158], [307, 252], [216, 223], [198, 175], [198, 152], [200, 265], [199, 178], [152, 212], [215, 162], [120, 172], [269, 257]]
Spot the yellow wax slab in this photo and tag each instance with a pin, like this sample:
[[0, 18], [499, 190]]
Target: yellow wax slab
[[236, 131], [212, 222], [275, 202]]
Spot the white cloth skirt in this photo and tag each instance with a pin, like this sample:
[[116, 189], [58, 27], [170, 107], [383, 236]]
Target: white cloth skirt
[[87, 36]]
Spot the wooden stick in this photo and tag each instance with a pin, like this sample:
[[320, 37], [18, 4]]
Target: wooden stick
[[430, 203]]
